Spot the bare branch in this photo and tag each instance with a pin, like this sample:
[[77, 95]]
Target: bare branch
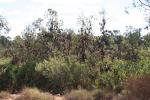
[[147, 5]]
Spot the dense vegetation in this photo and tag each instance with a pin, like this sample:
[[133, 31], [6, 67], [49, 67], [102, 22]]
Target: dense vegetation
[[59, 60]]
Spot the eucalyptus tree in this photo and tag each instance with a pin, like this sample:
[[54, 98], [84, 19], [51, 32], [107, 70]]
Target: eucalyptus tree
[[134, 43], [4, 41], [144, 6], [142, 3], [53, 23], [85, 37], [105, 36], [147, 40], [4, 28], [118, 40]]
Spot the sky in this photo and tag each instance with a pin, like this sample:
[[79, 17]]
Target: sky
[[20, 13]]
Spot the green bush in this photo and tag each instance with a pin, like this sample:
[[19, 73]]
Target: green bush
[[5, 61], [13, 77], [8, 77], [111, 74], [65, 74], [120, 71], [26, 74]]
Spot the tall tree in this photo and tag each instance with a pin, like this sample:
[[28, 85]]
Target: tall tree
[[86, 34], [145, 5], [4, 25], [104, 39], [134, 43], [53, 23]]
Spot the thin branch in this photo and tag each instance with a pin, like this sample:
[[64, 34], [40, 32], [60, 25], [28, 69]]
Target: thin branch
[[144, 4]]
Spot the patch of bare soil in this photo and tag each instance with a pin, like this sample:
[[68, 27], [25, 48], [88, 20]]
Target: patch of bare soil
[[15, 96], [59, 98]]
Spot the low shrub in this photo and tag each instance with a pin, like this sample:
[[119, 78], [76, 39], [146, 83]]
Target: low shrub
[[113, 78], [5, 61], [13, 77], [65, 74], [8, 79], [120, 71], [26, 75]]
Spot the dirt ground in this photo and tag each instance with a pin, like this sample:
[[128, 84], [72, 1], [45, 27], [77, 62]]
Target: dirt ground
[[14, 96]]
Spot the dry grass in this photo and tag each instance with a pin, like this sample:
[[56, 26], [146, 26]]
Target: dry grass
[[4, 95], [90, 95], [103, 95], [79, 95], [34, 94], [138, 87]]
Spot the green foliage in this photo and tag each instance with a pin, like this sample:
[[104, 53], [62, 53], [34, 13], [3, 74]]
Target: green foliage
[[120, 71], [5, 61], [26, 75], [13, 77], [8, 77], [65, 73]]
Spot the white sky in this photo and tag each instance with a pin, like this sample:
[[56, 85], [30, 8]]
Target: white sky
[[20, 13]]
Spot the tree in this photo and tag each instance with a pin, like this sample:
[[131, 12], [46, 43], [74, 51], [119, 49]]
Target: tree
[[5, 44], [3, 25], [134, 43], [4, 41], [118, 39], [104, 39], [147, 40], [143, 3], [53, 23], [85, 37]]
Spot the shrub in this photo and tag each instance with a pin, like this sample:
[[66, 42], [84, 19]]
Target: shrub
[[120, 71], [5, 61], [113, 78], [8, 77], [65, 74], [34, 94], [57, 73], [13, 77], [26, 75]]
